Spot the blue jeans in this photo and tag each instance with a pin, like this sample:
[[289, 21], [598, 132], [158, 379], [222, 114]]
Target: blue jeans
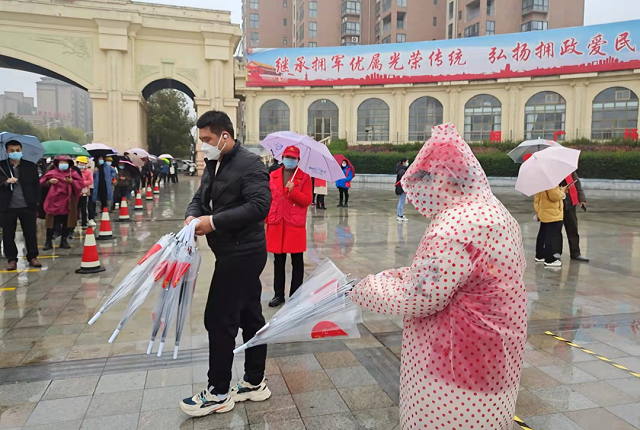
[[401, 202]]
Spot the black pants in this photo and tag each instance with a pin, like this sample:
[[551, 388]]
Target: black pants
[[297, 263], [571, 228], [27, 219], [234, 302], [136, 184], [119, 193], [163, 178], [82, 209], [320, 200], [344, 195], [59, 224], [547, 241], [91, 205]]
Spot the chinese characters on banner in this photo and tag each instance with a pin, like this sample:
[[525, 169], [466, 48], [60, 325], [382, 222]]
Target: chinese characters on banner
[[578, 50]]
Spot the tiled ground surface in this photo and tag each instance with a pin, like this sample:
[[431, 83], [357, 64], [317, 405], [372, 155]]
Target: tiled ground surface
[[56, 372]]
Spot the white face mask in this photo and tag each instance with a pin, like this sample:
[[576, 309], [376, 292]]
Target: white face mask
[[213, 152]]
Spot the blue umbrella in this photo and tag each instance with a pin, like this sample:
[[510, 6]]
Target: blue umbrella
[[32, 149]]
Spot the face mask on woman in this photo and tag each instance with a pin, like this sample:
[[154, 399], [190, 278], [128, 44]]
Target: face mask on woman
[[82, 166], [63, 166], [101, 162], [344, 165], [290, 163], [108, 163], [121, 167]]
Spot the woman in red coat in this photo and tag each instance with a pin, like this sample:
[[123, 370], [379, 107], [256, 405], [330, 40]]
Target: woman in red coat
[[291, 195]]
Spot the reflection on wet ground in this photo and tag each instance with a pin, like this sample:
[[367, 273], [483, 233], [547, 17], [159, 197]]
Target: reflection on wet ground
[[55, 370]]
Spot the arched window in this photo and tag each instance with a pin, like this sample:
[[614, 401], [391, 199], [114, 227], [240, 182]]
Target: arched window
[[373, 121], [544, 114], [424, 113], [614, 110], [274, 116], [322, 120], [482, 115]]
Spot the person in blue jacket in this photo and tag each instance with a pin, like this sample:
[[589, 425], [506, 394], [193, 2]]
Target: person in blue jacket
[[344, 184], [103, 177]]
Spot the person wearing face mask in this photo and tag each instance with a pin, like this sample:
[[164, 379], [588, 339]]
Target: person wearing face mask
[[64, 186], [231, 205], [291, 195], [401, 168], [19, 194], [343, 185], [102, 182], [87, 182], [122, 185]]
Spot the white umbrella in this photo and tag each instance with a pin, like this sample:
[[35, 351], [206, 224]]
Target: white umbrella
[[166, 156], [546, 169], [529, 147], [99, 147], [138, 151]]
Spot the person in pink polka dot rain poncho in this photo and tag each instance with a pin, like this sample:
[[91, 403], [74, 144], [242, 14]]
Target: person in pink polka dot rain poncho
[[463, 299]]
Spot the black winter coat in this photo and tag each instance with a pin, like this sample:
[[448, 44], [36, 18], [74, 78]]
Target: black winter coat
[[400, 171], [239, 199], [29, 181]]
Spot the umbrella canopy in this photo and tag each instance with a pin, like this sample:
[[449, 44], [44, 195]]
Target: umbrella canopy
[[315, 158], [63, 147], [529, 147], [165, 160], [129, 166], [32, 149], [99, 149], [546, 169], [340, 158], [153, 158], [166, 156], [139, 152]]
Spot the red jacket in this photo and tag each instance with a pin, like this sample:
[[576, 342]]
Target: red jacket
[[287, 219]]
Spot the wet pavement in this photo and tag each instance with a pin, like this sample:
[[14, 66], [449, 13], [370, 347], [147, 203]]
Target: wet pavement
[[57, 372]]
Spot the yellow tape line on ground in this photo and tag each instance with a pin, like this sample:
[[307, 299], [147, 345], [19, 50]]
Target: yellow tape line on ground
[[19, 271], [521, 423], [568, 342], [8, 289], [44, 256]]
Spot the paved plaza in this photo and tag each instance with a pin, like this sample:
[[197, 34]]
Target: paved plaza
[[58, 373]]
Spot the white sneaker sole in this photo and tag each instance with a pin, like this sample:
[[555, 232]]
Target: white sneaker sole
[[196, 411], [254, 396]]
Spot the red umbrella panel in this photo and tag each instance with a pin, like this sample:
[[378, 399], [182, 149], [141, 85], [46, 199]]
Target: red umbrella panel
[[340, 158]]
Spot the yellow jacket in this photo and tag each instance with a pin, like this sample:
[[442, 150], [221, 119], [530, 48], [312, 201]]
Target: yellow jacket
[[548, 205]]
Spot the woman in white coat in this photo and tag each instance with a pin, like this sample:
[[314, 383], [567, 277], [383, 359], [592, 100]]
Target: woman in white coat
[[463, 298]]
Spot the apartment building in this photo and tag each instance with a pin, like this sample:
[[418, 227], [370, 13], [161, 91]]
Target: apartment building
[[307, 23]]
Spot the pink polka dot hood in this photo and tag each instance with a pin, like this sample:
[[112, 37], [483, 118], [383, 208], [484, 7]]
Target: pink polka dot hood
[[463, 298]]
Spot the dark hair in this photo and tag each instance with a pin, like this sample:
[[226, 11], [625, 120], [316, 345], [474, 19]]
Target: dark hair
[[12, 143], [218, 122], [404, 160]]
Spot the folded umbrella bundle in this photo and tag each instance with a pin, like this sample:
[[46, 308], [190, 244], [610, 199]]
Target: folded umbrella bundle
[[171, 265], [319, 309]]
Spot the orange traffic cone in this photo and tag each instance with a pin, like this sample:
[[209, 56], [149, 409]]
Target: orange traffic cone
[[156, 189], [149, 193], [124, 211], [138, 205], [105, 226], [90, 259]]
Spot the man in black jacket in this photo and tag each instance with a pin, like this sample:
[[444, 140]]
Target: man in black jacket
[[575, 197], [19, 194], [231, 204]]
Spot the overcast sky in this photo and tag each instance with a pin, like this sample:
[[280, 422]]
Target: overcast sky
[[596, 12]]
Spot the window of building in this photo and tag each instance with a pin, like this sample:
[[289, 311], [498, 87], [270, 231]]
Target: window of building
[[284, 21], [545, 114], [313, 29], [352, 28], [253, 4], [450, 31], [491, 7], [386, 39], [373, 121], [459, 15], [386, 24], [534, 26], [302, 45], [401, 38], [254, 39], [473, 10], [377, 29], [253, 20], [301, 32], [351, 7], [313, 9], [451, 10], [322, 120], [424, 113], [350, 44], [472, 30], [284, 3], [301, 12], [491, 28], [377, 7], [482, 115], [435, 21], [459, 35], [312, 44], [614, 110], [535, 6], [435, 2], [386, 5], [284, 41], [274, 116], [401, 3], [401, 21]]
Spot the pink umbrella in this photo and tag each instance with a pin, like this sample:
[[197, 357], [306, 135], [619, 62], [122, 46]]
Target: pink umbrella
[[315, 158]]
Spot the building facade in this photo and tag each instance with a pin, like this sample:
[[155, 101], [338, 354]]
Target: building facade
[[307, 23], [64, 105]]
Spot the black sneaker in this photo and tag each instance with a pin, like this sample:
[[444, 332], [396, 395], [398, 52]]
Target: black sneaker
[[206, 403], [47, 246], [276, 301], [245, 391]]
